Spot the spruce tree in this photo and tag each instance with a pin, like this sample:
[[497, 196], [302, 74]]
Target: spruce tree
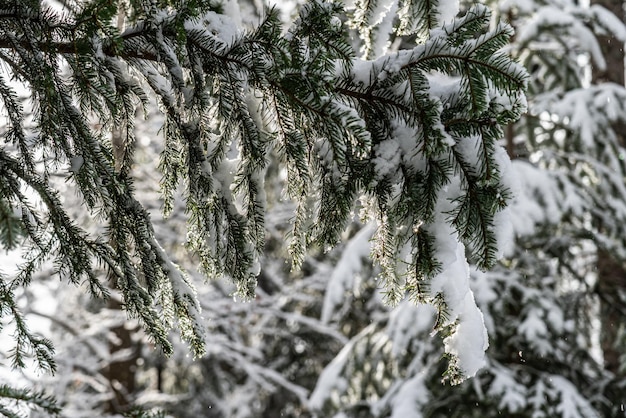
[[408, 138]]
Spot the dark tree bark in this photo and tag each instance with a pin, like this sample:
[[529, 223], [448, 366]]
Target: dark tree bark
[[611, 284], [121, 373], [611, 271], [612, 48]]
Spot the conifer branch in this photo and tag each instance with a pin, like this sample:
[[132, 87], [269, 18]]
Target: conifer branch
[[228, 101]]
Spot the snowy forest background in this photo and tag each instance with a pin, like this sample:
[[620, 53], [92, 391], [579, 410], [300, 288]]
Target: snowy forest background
[[321, 340]]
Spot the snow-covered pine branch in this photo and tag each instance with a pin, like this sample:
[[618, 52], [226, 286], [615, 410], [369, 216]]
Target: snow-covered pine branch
[[389, 131]]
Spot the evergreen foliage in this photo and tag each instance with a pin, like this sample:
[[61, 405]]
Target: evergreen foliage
[[319, 341], [28, 398], [409, 138], [541, 303]]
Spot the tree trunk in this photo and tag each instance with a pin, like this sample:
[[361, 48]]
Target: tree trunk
[[611, 283], [611, 272], [121, 373]]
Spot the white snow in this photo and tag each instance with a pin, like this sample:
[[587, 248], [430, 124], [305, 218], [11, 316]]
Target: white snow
[[469, 342], [384, 16], [513, 395], [533, 327], [387, 160], [572, 404], [447, 10], [405, 136], [331, 379], [407, 323], [345, 274], [223, 28], [551, 16], [232, 10], [537, 200], [613, 26], [76, 162], [411, 398], [503, 223]]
